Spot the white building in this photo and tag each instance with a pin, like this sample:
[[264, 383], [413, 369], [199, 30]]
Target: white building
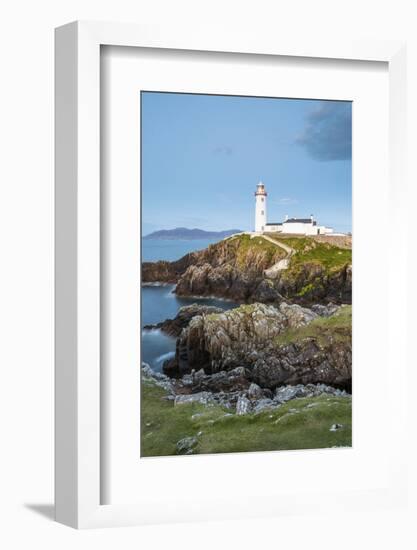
[[295, 226]]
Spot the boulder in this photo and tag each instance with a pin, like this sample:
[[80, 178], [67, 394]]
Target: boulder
[[204, 398], [336, 427], [158, 378], [243, 405], [186, 445], [286, 393], [254, 391], [325, 311], [263, 405]]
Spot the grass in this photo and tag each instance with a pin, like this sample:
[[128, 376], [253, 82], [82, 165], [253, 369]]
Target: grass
[[245, 247], [338, 327], [299, 424], [308, 250], [162, 425]]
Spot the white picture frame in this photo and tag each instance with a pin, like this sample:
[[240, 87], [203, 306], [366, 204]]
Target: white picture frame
[[78, 406]]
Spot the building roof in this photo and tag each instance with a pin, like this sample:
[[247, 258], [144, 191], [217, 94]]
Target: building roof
[[271, 223], [298, 220]]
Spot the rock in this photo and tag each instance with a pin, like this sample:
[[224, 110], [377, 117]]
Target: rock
[[165, 272], [158, 378], [199, 375], [170, 367], [232, 337], [254, 391], [233, 268], [264, 404], [311, 283], [269, 394], [250, 270], [186, 445], [173, 327], [223, 381], [306, 361], [266, 293], [296, 316], [336, 427], [325, 311], [286, 393], [243, 406], [203, 397], [231, 381], [247, 336]]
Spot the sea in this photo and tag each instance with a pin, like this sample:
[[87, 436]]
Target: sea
[[171, 249], [160, 302]]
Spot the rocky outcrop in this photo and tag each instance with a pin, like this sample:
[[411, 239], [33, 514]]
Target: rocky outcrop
[[234, 380], [311, 282], [271, 343], [173, 327], [239, 269], [235, 337], [242, 399], [166, 272], [305, 362]]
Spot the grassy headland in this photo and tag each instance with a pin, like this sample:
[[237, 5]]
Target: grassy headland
[[307, 250]]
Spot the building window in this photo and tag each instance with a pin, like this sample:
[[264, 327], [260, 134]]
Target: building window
[[262, 212], [262, 199]]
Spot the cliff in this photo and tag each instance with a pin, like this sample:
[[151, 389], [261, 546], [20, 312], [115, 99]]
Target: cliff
[[239, 268], [281, 345]]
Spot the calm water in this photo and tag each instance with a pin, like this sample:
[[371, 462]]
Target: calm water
[[170, 249], [158, 304]]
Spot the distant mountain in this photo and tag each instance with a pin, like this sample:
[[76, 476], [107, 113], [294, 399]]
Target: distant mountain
[[190, 234]]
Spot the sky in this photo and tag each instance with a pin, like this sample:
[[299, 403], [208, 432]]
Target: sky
[[203, 155]]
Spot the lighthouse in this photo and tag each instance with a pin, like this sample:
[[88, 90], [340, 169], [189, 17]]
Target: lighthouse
[[260, 208]]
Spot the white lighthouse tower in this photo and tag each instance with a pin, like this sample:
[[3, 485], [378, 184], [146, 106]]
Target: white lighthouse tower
[[260, 208]]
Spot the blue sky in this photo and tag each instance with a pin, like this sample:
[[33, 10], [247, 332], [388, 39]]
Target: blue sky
[[202, 157]]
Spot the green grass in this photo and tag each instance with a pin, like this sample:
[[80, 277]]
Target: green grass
[[162, 425], [299, 424], [308, 250], [306, 289], [331, 257], [246, 248], [338, 327]]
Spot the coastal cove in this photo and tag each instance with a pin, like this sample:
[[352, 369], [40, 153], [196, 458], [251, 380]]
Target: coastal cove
[[159, 303]]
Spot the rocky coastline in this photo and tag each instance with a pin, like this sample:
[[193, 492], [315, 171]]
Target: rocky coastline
[[232, 390], [237, 269], [290, 341], [224, 352]]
